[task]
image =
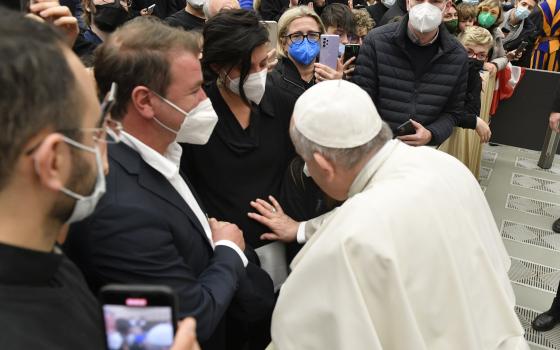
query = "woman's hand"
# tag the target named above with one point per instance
(483, 130)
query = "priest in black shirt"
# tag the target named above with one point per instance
(52, 152)
(49, 154)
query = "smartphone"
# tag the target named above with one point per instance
(522, 46)
(405, 128)
(138, 316)
(351, 50)
(151, 8)
(272, 28)
(328, 54)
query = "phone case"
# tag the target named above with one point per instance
(328, 55)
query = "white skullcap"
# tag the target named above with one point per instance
(336, 114)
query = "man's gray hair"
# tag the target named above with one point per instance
(343, 157)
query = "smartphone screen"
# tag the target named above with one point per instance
(136, 327)
(351, 50)
(137, 318)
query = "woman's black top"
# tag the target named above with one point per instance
(239, 165)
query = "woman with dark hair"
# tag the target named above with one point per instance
(249, 150)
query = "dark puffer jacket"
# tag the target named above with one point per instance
(434, 98)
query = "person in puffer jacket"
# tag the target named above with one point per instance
(414, 69)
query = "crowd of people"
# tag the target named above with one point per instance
(284, 201)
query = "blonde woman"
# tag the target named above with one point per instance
(464, 144)
(299, 31)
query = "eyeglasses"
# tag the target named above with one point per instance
(297, 38)
(481, 56)
(109, 130)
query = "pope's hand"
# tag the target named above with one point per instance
(283, 227)
(422, 136)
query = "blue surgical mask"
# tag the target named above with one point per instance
(471, 2)
(305, 52)
(521, 12)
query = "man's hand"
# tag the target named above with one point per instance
(490, 67)
(185, 339)
(483, 130)
(60, 16)
(222, 230)
(553, 121)
(283, 227)
(422, 136)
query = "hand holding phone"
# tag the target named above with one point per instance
(406, 128)
(148, 10)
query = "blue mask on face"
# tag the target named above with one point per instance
(522, 12)
(305, 52)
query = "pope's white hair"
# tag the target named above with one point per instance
(347, 158)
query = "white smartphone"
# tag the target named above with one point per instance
(328, 54)
(151, 8)
(272, 28)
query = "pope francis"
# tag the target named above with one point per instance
(412, 260)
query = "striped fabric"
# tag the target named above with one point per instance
(546, 47)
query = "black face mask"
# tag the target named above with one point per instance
(475, 64)
(108, 17)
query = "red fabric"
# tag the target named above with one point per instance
(506, 82)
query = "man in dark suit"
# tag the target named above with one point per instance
(150, 228)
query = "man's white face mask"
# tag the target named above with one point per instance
(198, 124)
(197, 4)
(425, 17)
(85, 205)
(388, 3)
(254, 86)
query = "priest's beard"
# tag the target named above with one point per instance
(82, 181)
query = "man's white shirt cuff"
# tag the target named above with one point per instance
(236, 248)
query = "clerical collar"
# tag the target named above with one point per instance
(415, 40)
(28, 267)
(378, 159)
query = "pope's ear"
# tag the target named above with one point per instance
(53, 162)
(325, 165)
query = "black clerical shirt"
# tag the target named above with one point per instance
(45, 303)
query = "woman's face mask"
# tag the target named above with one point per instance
(488, 16)
(305, 52)
(109, 16)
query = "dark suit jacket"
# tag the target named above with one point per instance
(142, 231)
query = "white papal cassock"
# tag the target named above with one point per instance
(412, 260)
